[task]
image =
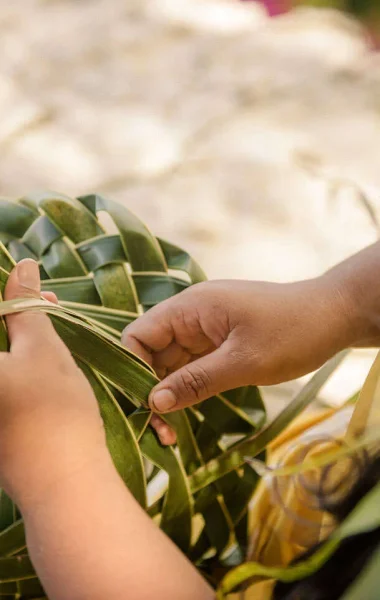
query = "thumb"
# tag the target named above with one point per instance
(28, 331)
(212, 374)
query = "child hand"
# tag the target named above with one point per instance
(50, 424)
(87, 536)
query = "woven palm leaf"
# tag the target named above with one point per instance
(105, 278)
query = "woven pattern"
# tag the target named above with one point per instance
(111, 269)
(124, 271)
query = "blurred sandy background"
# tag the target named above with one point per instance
(254, 143)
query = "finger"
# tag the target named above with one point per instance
(150, 332)
(168, 360)
(174, 321)
(50, 297)
(161, 373)
(137, 347)
(166, 434)
(28, 331)
(212, 374)
(170, 356)
(186, 358)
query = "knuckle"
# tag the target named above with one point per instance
(179, 314)
(195, 381)
(186, 318)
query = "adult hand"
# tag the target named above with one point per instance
(219, 335)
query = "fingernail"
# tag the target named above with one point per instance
(29, 274)
(163, 400)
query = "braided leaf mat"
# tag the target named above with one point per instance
(107, 268)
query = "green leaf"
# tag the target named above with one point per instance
(234, 412)
(6, 261)
(8, 512)
(177, 509)
(178, 259)
(116, 288)
(112, 360)
(12, 539)
(61, 260)
(251, 446)
(115, 319)
(141, 247)
(68, 215)
(16, 568)
(15, 219)
(121, 441)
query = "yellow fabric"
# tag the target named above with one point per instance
(284, 525)
(282, 528)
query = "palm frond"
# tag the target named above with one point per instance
(103, 282)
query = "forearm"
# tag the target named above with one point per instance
(89, 539)
(357, 279)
